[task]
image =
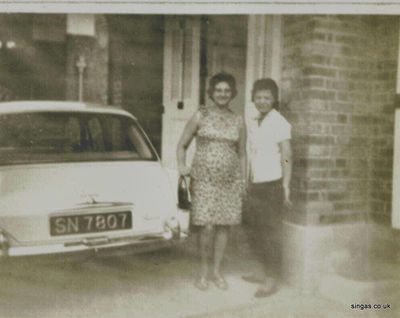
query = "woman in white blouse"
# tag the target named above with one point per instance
(270, 158)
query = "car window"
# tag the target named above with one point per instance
(59, 136)
(95, 133)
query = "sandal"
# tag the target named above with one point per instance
(252, 279)
(220, 282)
(201, 283)
(261, 292)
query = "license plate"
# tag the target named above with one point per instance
(90, 223)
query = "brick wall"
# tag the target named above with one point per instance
(384, 94)
(338, 93)
(297, 31)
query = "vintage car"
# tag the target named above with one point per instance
(76, 177)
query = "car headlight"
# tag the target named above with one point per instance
(4, 243)
(171, 228)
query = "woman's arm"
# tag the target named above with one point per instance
(286, 162)
(186, 138)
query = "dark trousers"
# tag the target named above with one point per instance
(264, 206)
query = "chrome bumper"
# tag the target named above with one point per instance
(101, 246)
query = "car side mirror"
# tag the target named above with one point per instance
(183, 194)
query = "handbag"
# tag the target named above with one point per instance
(183, 194)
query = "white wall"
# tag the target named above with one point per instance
(396, 174)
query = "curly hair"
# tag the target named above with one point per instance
(222, 77)
(266, 84)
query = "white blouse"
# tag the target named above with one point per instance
(264, 152)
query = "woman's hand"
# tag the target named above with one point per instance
(184, 170)
(286, 198)
(286, 162)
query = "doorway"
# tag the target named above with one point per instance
(224, 49)
(136, 54)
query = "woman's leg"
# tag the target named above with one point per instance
(256, 233)
(272, 227)
(205, 238)
(221, 239)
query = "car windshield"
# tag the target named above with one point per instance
(70, 137)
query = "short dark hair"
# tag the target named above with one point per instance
(266, 84)
(222, 77)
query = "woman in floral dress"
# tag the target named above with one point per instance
(217, 174)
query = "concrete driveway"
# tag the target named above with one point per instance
(157, 284)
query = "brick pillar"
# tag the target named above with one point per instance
(336, 88)
(95, 51)
(387, 43)
(298, 107)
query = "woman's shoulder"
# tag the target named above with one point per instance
(200, 112)
(280, 119)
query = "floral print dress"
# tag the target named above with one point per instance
(215, 176)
